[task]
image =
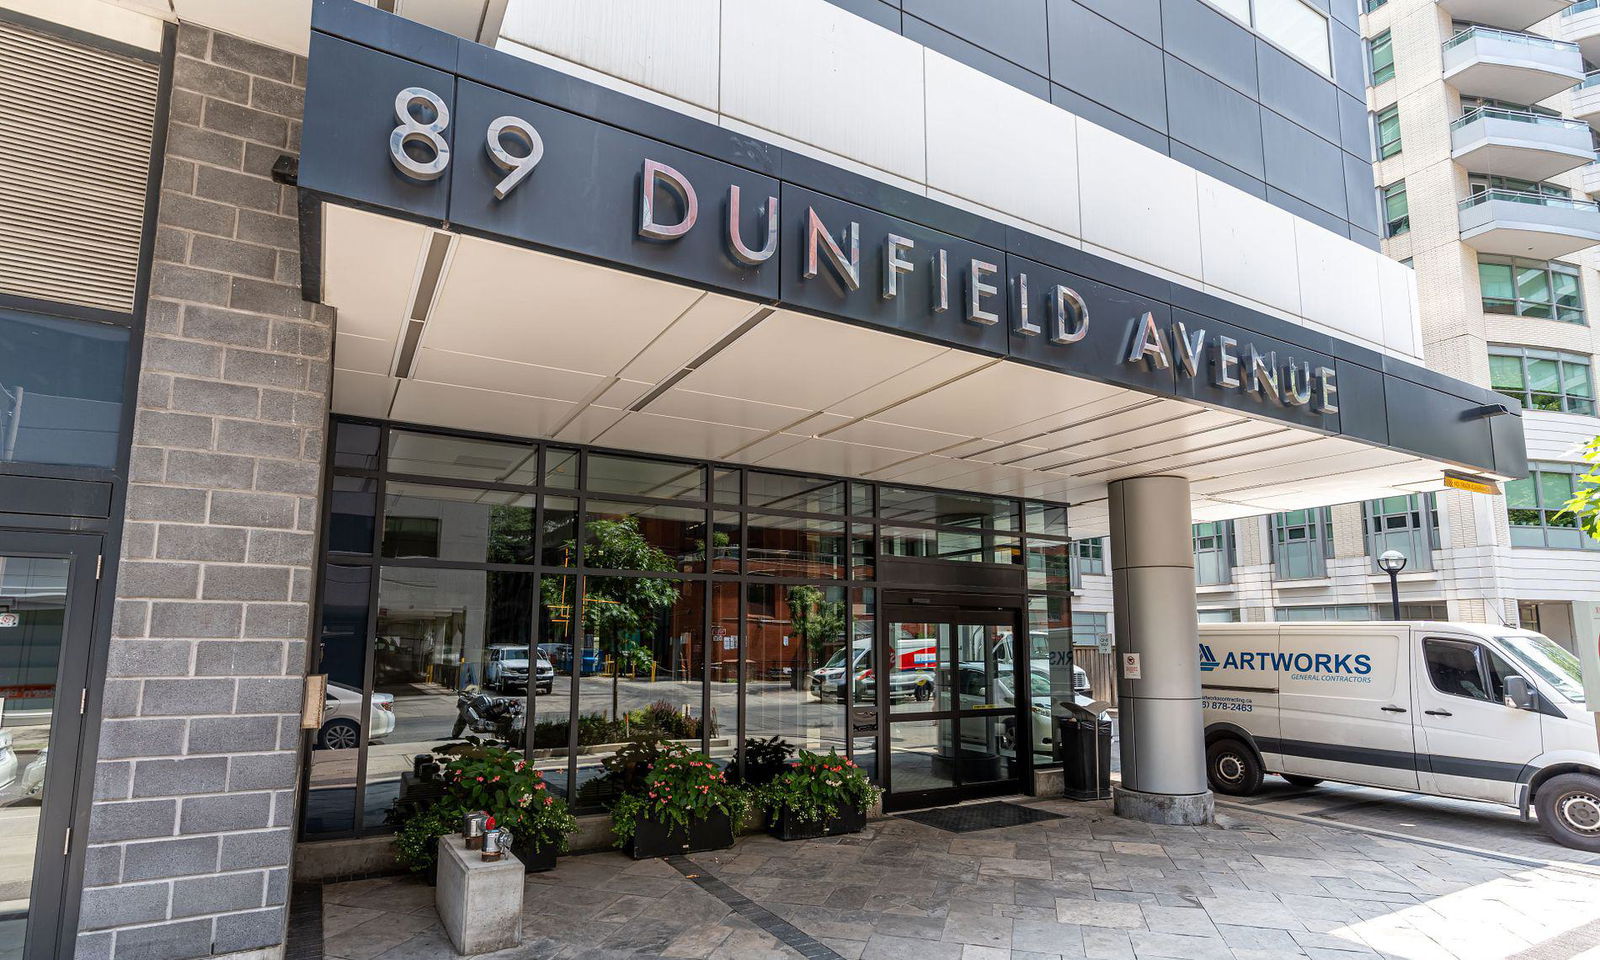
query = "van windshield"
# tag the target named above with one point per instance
(1553, 663)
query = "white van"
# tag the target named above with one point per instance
(1449, 709)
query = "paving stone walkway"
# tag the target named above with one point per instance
(1088, 886)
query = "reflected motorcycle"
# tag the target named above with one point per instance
(500, 717)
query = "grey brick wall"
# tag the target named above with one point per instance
(192, 826)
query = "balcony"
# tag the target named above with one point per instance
(1591, 179)
(1531, 225)
(1505, 14)
(1580, 24)
(1508, 66)
(1585, 101)
(1515, 143)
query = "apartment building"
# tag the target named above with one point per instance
(1482, 114)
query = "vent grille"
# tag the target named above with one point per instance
(72, 184)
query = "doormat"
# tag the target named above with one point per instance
(980, 816)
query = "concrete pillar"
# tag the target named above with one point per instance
(1152, 583)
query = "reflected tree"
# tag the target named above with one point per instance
(817, 621)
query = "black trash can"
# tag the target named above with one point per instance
(1085, 740)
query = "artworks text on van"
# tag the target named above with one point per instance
(1325, 667)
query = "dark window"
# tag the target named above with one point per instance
(1455, 669)
(410, 537)
(60, 390)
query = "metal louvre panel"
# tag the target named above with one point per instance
(80, 122)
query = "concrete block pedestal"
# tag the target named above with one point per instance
(480, 904)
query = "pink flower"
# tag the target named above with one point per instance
(548, 801)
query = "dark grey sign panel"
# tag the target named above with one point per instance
(583, 195)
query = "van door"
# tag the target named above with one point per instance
(1474, 745)
(1344, 696)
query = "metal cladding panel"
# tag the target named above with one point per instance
(72, 197)
(1435, 424)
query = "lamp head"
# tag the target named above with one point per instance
(1391, 561)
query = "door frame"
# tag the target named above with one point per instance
(915, 606)
(63, 821)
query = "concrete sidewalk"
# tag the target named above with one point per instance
(1086, 885)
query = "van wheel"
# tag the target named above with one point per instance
(1569, 810)
(1296, 780)
(1233, 768)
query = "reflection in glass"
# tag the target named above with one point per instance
(962, 545)
(33, 590)
(450, 659)
(1052, 670)
(637, 536)
(863, 630)
(947, 508)
(1049, 565)
(356, 445)
(422, 521)
(638, 477)
(917, 657)
(342, 655)
(725, 486)
(799, 547)
(550, 713)
(61, 384)
(650, 635)
(725, 543)
(461, 458)
(920, 755)
(724, 652)
(1046, 518)
(561, 468)
(558, 545)
(352, 503)
(777, 491)
(799, 665)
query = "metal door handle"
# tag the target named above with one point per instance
(1393, 709)
(1438, 713)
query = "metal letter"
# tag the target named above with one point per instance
(1069, 315)
(516, 168)
(895, 263)
(977, 290)
(1296, 384)
(742, 251)
(1147, 343)
(1264, 376)
(414, 131)
(678, 184)
(1024, 326)
(1224, 362)
(1327, 391)
(848, 268)
(1187, 349)
(941, 282)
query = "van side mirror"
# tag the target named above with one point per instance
(1520, 694)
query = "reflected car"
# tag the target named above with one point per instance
(8, 760)
(560, 655)
(506, 669)
(341, 718)
(33, 774)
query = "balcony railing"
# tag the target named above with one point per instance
(1520, 196)
(1591, 79)
(1508, 36)
(1517, 116)
(1580, 7)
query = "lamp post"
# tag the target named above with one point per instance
(1392, 562)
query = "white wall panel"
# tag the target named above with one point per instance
(666, 45)
(812, 71)
(1556, 436)
(1137, 202)
(972, 119)
(1397, 293)
(1248, 246)
(1339, 283)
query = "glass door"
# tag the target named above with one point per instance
(46, 610)
(955, 704)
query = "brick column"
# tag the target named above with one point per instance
(193, 822)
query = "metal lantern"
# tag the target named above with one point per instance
(472, 827)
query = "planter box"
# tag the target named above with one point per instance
(534, 861)
(652, 839)
(785, 827)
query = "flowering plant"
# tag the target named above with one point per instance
(510, 790)
(679, 787)
(817, 787)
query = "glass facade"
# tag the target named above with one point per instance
(1302, 542)
(1549, 290)
(61, 390)
(571, 603)
(1543, 379)
(1535, 508)
(1409, 524)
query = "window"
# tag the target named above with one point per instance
(1302, 541)
(1220, 615)
(1406, 524)
(1396, 213)
(1531, 288)
(1380, 53)
(1467, 670)
(1534, 505)
(1543, 379)
(1387, 124)
(1484, 182)
(1088, 556)
(61, 384)
(1472, 104)
(1323, 611)
(1291, 24)
(1375, 4)
(411, 537)
(1088, 628)
(1213, 552)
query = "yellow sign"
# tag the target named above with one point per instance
(1471, 484)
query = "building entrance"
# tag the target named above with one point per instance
(954, 696)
